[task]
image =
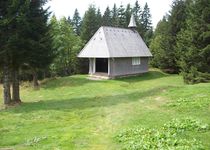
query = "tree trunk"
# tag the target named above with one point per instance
(6, 85)
(35, 80)
(15, 86)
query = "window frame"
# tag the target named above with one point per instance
(136, 61)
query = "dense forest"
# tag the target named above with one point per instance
(181, 42)
(35, 44)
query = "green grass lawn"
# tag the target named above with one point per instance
(77, 113)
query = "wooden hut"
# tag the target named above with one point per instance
(114, 51)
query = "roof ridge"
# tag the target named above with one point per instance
(117, 27)
(89, 41)
(109, 54)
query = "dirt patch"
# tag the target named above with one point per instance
(160, 100)
(157, 103)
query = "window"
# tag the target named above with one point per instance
(136, 61)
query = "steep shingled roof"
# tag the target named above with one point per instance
(111, 42)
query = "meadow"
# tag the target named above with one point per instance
(151, 111)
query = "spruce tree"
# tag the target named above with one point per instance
(146, 24)
(89, 24)
(40, 54)
(194, 43)
(121, 17)
(146, 18)
(106, 19)
(165, 38)
(76, 22)
(13, 47)
(99, 18)
(161, 47)
(115, 19)
(177, 17)
(137, 12)
(26, 42)
(4, 53)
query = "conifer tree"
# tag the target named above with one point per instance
(146, 18)
(146, 24)
(25, 39)
(89, 24)
(121, 16)
(106, 19)
(13, 47)
(99, 18)
(4, 52)
(194, 43)
(115, 20)
(165, 38)
(161, 48)
(40, 53)
(76, 22)
(177, 17)
(137, 12)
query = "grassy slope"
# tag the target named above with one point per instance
(76, 113)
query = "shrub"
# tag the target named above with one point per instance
(194, 76)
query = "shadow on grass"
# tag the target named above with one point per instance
(86, 103)
(151, 75)
(71, 81)
(79, 80)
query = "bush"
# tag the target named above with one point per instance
(194, 76)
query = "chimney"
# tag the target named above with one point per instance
(132, 23)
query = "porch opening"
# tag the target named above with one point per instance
(102, 65)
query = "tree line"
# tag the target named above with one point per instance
(181, 42)
(115, 17)
(35, 45)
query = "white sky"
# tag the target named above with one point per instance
(60, 8)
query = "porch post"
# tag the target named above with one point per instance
(109, 70)
(90, 66)
(94, 65)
